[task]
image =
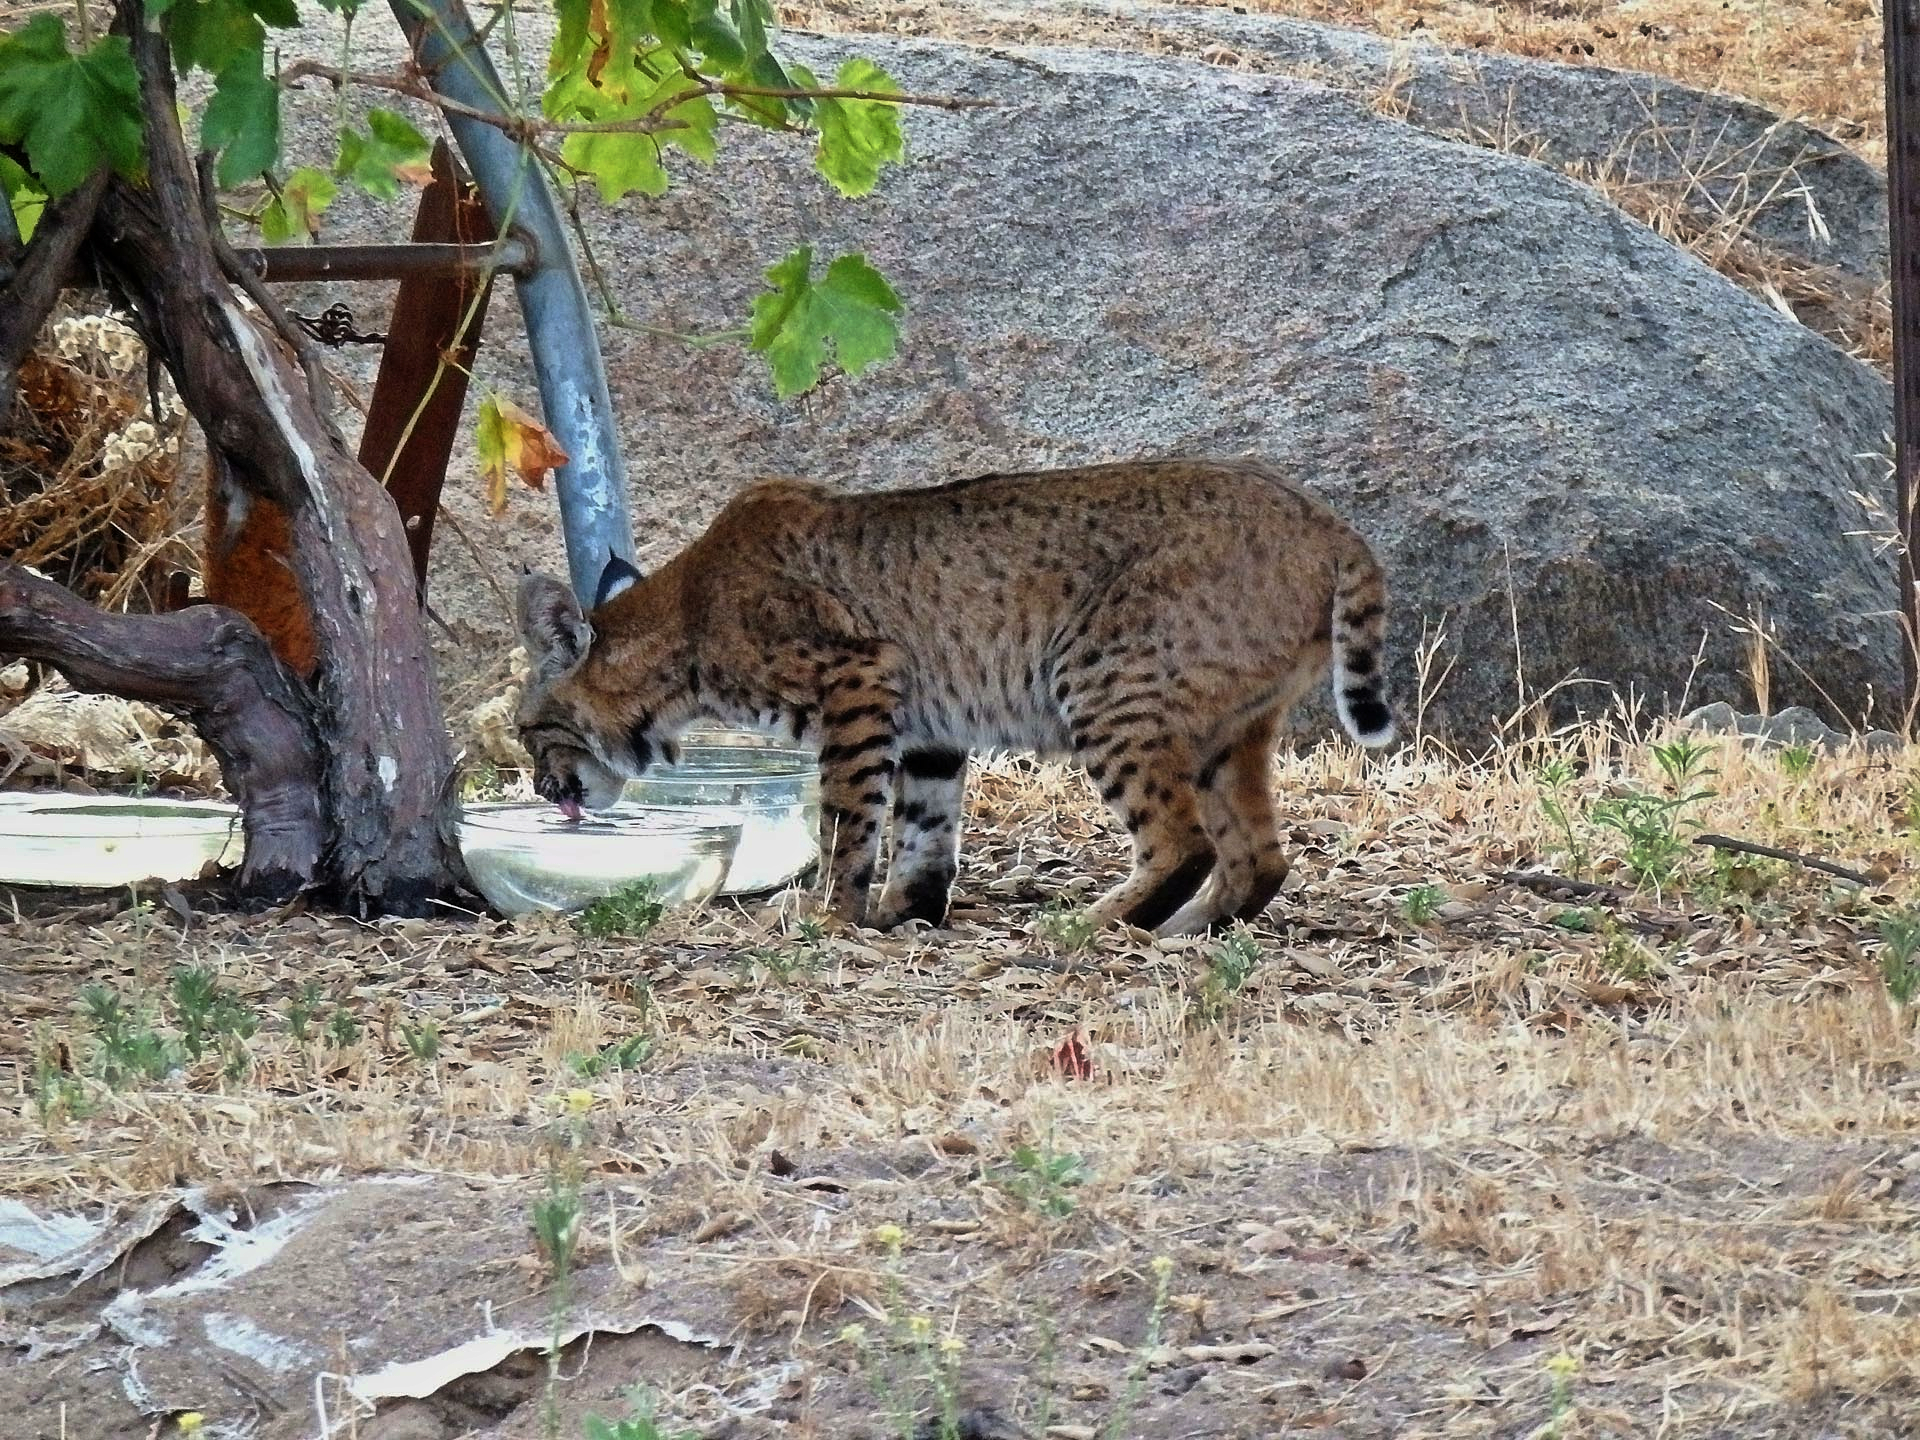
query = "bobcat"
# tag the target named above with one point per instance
(1152, 619)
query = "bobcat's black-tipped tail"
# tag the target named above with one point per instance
(1359, 645)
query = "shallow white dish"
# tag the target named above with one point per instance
(526, 857)
(771, 788)
(106, 841)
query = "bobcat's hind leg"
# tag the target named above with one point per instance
(1145, 780)
(924, 851)
(1236, 805)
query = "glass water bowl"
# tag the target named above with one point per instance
(771, 788)
(105, 841)
(526, 857)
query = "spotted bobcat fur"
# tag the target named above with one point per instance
(1154, 620)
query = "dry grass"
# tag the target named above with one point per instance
(1815, 60)
(1668, 1132)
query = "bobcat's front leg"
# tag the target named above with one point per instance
(859, 717)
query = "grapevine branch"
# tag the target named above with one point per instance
(655, 121)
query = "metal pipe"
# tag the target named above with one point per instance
(591, 488)
(279, 264)
(1903, 253)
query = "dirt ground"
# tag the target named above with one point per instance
(1428, 1152)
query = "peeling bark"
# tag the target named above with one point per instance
(210, 667)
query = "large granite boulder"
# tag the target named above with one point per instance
(1583, 454)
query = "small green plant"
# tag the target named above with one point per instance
(911, 1361)
(207, 1011)
(342, 1029)
(1553, 778)
(1900, 955)
(1653, 826)
(55, 1092)
(640, 1423)
(1561, 1368)
(556, 1219)
(780, 963)
(1042, 1179)
(632, 910)
(422, 1040)
(1796, 761)
(1067, 927)
(128, 1047)
(1683, 762)
(812, 929)
(1583, 919)
(628, 1054)
(1118, 1424)
(1420, 904)
(1627, 957)
(301, 1008)
(1230, 965)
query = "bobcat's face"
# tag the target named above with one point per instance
(584, 747)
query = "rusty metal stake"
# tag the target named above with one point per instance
(427, 315)
(1903, 213)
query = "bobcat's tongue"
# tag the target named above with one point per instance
(571, 809)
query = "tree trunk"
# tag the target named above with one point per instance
(210, 667)
(386, 782)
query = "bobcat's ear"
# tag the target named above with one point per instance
(618, 576)
(552, 628)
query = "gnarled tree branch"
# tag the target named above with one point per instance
(212, 668)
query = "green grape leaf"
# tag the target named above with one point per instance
(619, 164)
(295, 211)
(715, 37)
(570, 43)
(212, 34)
(670, 21)
(851, 309)
(858, 137)
(242, 120)
(389, 150)
(622, 162)
(73, 113)
(281, 14)
(26, 198)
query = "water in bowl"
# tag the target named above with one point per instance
(772, 789)
(48, 838)
(526, 857)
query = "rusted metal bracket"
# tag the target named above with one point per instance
(414, 416)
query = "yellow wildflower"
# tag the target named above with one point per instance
(579, 1101)
(891, 1236)
(190, 1422)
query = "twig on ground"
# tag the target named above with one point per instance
(1774, 852)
